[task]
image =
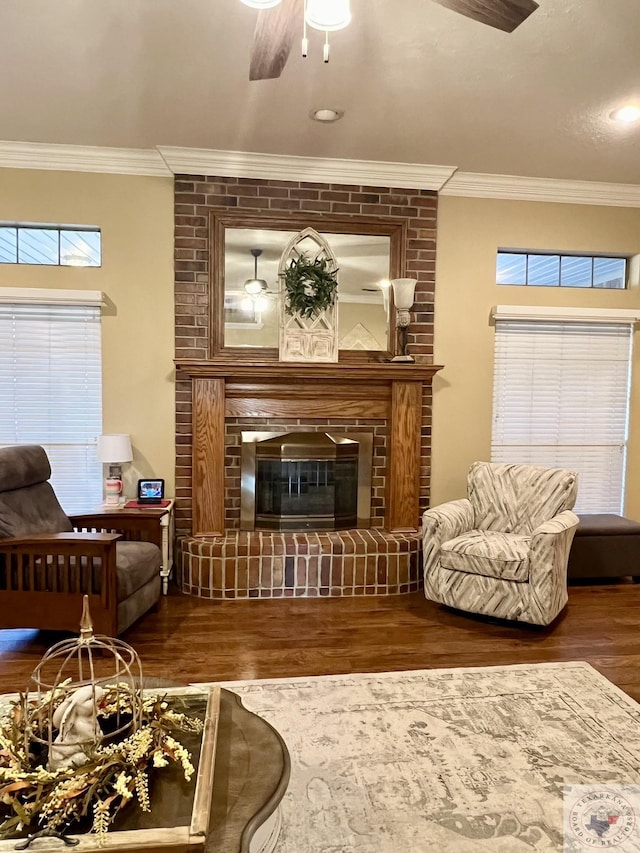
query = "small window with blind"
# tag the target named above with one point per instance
(51, 245)
(552, 269)
(561, 399)
(51, 385)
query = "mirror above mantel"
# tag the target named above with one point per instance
(245, 326)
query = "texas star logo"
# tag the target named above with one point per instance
(602, 819)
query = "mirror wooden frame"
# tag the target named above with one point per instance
(325, 223)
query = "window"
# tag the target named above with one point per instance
(544, 269)
(561, 398)
(51, 385)
(50, 244)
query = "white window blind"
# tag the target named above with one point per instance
(51, 391)
(561, 398)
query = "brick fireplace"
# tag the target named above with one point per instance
(221, 394)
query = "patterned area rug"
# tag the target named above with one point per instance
(460, 760)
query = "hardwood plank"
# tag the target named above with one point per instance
(192, 639)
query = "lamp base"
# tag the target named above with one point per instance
(112, 491)
(403, 359)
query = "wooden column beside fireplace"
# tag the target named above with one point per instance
(361, 391)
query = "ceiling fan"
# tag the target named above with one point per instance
(278, 26)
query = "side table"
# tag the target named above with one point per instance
(139, 524)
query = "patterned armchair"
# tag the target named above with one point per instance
(503, 551)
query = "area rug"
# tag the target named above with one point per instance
(460, 760)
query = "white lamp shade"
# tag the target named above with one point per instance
(403, 292)
(328, 15)
(114, 448)
(261, 4)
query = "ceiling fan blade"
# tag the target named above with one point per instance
(504, 15)
(275, 32)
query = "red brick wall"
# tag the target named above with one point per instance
(197, 196)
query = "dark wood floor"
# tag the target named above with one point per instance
(194, 640)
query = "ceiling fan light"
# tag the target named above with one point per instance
(254, 286)
(328, 15)
(261, 4)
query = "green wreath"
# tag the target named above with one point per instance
(310, 286)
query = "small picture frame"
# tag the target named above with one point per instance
(150, 491)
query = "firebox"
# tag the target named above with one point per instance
(305, 481)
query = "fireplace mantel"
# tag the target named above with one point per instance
(357, 371)
(224, 389)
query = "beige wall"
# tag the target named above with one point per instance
(135, 215)
(469, 233)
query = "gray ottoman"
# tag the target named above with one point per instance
(605, 546)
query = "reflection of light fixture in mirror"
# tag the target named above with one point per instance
(403, 296)
(255, 285)
(256, 288)
(385, 286)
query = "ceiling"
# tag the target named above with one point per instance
(424, 85)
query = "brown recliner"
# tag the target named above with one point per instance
(46, 567)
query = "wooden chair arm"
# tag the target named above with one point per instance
(74, 544)
(92, 519)
(134, 526)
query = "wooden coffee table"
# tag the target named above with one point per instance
(252, 770)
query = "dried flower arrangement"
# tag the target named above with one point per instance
(116, 772)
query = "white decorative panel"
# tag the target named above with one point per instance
(313, 339)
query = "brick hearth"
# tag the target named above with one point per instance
(277, 565)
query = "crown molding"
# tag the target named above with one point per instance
(477, 185)
(82, 158)
(246, 164)
(166, 161)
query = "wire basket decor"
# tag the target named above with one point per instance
(84, 692)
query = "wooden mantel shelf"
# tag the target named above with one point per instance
(290, 391)
(394, 372)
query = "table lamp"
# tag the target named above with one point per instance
(112, 451)
(403, 296)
